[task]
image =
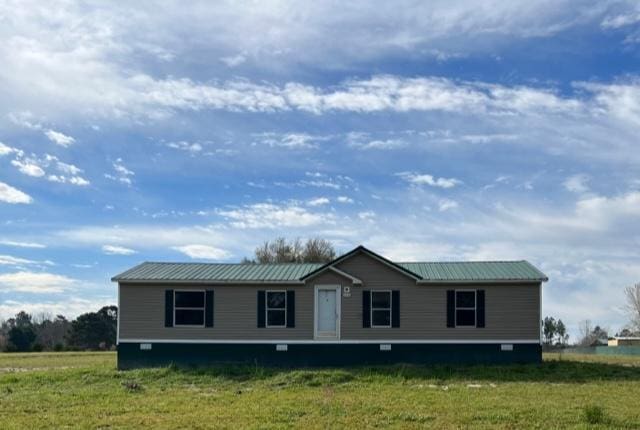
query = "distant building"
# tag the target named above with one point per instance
(624, 341)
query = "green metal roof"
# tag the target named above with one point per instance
(476, 271)
(468, 271)
(213, 272)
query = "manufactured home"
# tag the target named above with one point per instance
(360, 308)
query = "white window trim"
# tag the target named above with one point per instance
(390, 308)
(203, 308)
(266, 308)
(475, 308)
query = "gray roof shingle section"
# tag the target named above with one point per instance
(292, 272)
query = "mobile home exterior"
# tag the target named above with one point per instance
(358, 309)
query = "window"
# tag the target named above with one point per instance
(188, 308)
(276, 308)
(380, 308)
(466, 308)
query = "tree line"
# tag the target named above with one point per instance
(89, 331)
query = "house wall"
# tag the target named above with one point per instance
(235, 313)
(512, 311)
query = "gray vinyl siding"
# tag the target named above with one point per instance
(511, 311)
(235, 307)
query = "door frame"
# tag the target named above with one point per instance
(337, 289)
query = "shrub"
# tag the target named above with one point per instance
(594, 414)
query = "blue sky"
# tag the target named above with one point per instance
(443, 131)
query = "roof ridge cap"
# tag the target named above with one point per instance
(461, 262)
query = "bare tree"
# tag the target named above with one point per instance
(633, 305)
(51, 333)
(280, 250)
(318, 250)
(585, 330)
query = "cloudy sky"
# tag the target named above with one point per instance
(453, 131)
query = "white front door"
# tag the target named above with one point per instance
(327, 312)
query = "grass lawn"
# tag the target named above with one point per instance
(61, 390)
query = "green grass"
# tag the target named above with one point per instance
(83, 390)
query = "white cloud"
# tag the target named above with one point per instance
(234, 60)
(74, 180)
(204, 252)
(122, 174)
(28, 167)
(446, 204)
(35, 282)
(577, 183)
(290, 140)
(117, 250)
(621, 20)
(362, 140)
(69, 169)
(344, 199)
(271, 215)
(119, 167)
(9, 260)
(8, 194)
(78, 180)
(488, 138)
(366, 215)
(59, 138)
(319, 201)
(319, 180)
(24, 119)
(147, 236)
(425, 179)
(5, 150)
(22, 244)
(620, 100)
(193, 148)
(35, 167)
(64, 60)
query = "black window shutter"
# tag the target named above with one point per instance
(451, 308)
(480, 308)
(168, 308)
(395, 308)
(291, 308)
(366, 308)
(261, 308)
(208, 309)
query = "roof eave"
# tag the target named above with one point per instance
(481, 281)
(206, 282)
(354, 280)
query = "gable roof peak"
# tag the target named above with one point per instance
(363, 249)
